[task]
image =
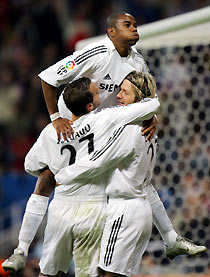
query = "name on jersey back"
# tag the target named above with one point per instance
(77, 134)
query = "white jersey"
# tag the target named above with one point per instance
(90, 132)
(127, 154)
(129, 179)
(127, 159)
(101, 63)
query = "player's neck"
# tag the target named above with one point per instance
(75, 117)
(89, 109)
(122, 50)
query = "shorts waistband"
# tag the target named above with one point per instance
(81, 199)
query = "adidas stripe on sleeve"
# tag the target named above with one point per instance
(81, 63)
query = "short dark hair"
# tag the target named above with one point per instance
(77, 95)
(113, 18)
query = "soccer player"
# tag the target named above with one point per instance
(104, 62)
(76, 214)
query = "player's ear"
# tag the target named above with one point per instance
(111, 32)
(89, 107)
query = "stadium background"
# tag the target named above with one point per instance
(34, 35)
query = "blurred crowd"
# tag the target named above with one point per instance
(36, 34)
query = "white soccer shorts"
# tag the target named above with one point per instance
(74, 228)
(126, 235)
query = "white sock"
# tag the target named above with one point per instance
(169, 238)
(35, 210)
(163, 224)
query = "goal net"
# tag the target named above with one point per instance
(177, 51)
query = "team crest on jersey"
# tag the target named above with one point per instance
(63, 69)
(70, 65)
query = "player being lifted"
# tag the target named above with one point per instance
(104, 62)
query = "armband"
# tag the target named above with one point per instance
(54, 116)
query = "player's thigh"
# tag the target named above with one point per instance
(90, 220)
(127, 226)
(58, 240)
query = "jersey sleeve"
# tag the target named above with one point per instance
(80, 63)
(35, 159)
(103, 160)
(133, 113)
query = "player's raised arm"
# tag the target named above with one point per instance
(138, 112)
(63, 72)
(62, 125)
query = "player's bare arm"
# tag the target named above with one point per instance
(62, 125)
(45, 184)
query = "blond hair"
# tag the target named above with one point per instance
(143, 84)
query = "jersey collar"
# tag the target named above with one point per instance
(79, 121)
(110, 44)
